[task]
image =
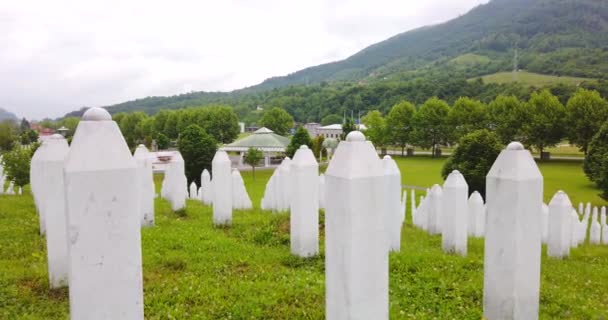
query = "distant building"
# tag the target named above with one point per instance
(335, 130)
(312, 128)
(241, 127)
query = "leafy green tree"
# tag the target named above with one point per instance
(253, 157)
(130, 127)
(347, 128)
(331, 119)
(147, 128)
(473, 157)
(24, 126)
(16, 165)
(300, 138)
(399, 124)
(507, 116)
(70, 123)
(197, 149)
(160, 119)
(162, 141)
(221, 122)
(377, 130)
(277, 120)
(467, 115)
(8, 135)
(596, 160)
(117, 117)
(545, 120)
(170, 129)
(586, 112)
(317, 146)
(29, 136)
(431, 125)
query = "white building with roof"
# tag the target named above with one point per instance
(335, 130)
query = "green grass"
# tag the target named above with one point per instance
(531, 79)
(194, 270)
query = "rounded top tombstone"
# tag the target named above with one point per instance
(96, 114)
(303, 147)
(515, 146)
(355, 136)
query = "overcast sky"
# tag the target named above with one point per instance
(57, 56)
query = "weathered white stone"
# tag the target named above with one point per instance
(584, 225)
(356, 258)
(477, 215)
(604, 226)
(514, 190)
(52, 206)
(322, 191)
(544, 223)
(434, 210)
(413, 207)
(101, 188)
(240, 198)
(581, 208)
(284, 184)
(454, 208)
(304, 220)
(20, 191)
(176, 183)
(10, 191)
(146, 180)
(206, 187)
(560, 226)
(394, 214)
(37, 184)
(596, 229)
(574, 222)
(193, 194)
(222, 189)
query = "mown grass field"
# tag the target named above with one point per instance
(193, 270)
(531, 79)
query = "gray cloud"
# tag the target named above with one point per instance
(56, 56)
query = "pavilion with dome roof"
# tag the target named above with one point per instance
(262, 139)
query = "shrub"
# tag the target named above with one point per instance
(162, 141)
(197, 149)
(16, 165)
(473, 157)
(300, 138)
(596, 161)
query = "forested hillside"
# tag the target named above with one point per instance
(6, 115)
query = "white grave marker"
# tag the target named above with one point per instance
(304, 219)
(222, 189)
(455, 203)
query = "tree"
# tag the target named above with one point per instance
(8, 136)
(596, 160)
(317, 146)
(467, 115)
(162, 141)
(29, 136)
(170, 129)
(473, 157)
(130, 127)
(300, 138)
(331, 119)
(253, 156)
(220, 122)
(347, 128)
(24, 126)
(16, 165)
(376, 131)
(399, 124)
(197, 149)
(431, 124)
(545, 120)
(586, 112)
(277, 120)
(506, 118)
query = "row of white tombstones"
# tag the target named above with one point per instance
(98, 184)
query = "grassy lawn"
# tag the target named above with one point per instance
(531, 79)
(193, 270)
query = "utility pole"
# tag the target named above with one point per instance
(515, 65)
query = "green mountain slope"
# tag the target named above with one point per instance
(561, 37)
(7, 115)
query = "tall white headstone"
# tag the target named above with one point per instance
(52, 206)
(392, 200)
(146, 180)
(560, 226)
(193, 194)
(222, 188)
(240, 198)
(284, 184)
(10, 191)
(206, 187)
(604, 226)
(37, 183)
(514, 190)
(102, 189)
(544, 215)
(476, 212)
(596, 229)
(434, 210)
(574, 222)
(454, 208)
(322, 191)
(356, 258)
(304, 219)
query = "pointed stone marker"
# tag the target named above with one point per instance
(146, 180)
(574, 227)
(104, 222)
(52, 206)
(322, 191)
(37, 183)
(544, 215)
(206, 187)
(356, 258)
(514, 190)
(560, 226)
(454, 208)
(434, 210)
(392, 201)
(476, 211)
(304, 219)
(222, 188)
(596, 229)
(193, 194)
(284, 184)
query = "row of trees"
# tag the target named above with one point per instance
(540, 122)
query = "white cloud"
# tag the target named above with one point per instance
(56, 56)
